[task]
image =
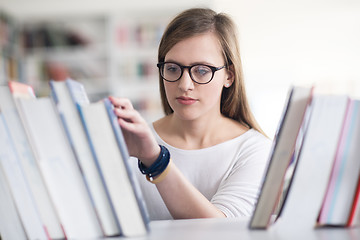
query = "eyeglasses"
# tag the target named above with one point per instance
(199, 73)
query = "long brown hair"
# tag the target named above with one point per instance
(194, 21)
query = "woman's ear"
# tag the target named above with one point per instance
(230, 76)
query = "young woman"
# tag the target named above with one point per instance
(207, 156)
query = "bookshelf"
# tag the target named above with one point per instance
(110, 54)
(133, 58)
(10, 52)
(61, 47)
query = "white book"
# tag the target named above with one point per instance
(59, 168)
(28, 162)
(304, 200)
(10, 223)
(345, 173)
(18, 185)
(112, 157)
(281, 155)
(66, 95)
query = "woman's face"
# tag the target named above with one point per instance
(188, 99)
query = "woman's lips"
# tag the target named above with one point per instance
(186, 100)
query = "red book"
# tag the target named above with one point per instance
(19, 89)
(354, 217)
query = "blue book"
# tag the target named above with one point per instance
(67, 94)
(111, 154)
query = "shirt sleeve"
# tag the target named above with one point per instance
(239, 190)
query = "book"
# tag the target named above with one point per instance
(316, 157)
(354, 218)
(28, 162)
(66, 95)
(281, 155)
(59, 168)
(19, 89)
(111, 154)
(345, 173)
(10, 223)
(23, 199)
(289, 174)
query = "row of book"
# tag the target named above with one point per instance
(10, 62)
(141, 34)
(64, 170)
(91, 71)
(313, 174)
(51, 36)
(72, 32)
(138, 69)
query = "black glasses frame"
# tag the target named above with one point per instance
(160, 65)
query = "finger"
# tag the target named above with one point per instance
(128, 115)
(123, 103)
(127, 126)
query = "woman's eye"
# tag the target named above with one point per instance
(172, 68)
(202, 70)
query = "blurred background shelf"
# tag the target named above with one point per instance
(112, 47)
(111, 50)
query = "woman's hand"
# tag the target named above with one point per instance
(181, 198)
(138, 136)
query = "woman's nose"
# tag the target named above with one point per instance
(185, 82)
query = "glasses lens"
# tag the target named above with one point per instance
(201, 73)
(171, 71)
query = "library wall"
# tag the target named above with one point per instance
(286, 43)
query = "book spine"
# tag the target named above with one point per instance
(125, 155)
(70, 93)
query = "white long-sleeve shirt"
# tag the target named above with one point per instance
(228, 174)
